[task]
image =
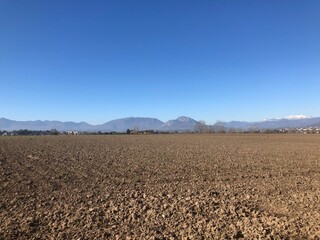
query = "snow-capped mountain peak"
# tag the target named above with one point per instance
(183, 119)
(291, 117)
(294, 117)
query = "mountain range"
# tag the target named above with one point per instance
(118, 125)
(143, 123)
(275, 123)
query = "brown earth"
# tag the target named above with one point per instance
(160, 187)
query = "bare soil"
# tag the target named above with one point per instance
(160, 187)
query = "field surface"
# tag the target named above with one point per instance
(160, 187)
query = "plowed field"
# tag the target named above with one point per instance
(160, 187)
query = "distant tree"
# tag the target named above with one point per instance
(219, 127)
(201, 127)
(54, 132)
(128, 131)
(23, 132)
(136, 128)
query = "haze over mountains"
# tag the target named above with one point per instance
(143, 123)
(288, 122)
(119, 125)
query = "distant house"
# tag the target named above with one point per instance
(73, 133)
(5, 134)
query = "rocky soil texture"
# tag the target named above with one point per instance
(160, 187)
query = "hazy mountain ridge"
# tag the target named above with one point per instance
(276, 123)
(181, 123)
(137, 123)
(143, 123)
(10, 125)
(119, 125)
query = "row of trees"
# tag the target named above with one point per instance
(219, 127)
(26, 132)
(202, 127)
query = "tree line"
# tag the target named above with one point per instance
(202, 127)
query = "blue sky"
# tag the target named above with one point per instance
(213, 60)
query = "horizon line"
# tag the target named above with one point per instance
(208, 122)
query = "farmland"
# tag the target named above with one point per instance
(197, 186)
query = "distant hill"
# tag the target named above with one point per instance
(10, 125)
(181, 123)
(119, 125)
(143, 123)
(289, 122)
(138, 123)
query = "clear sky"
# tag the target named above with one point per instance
(95, 61)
